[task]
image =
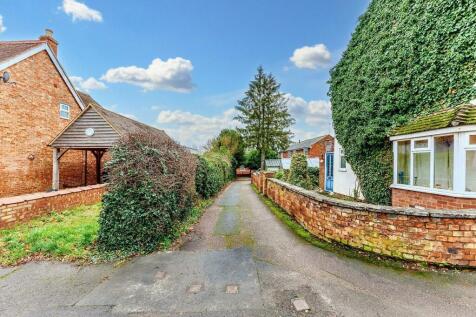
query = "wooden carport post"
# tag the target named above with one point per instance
(56, 157)
(98, 155)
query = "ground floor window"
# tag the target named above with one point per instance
(471, 171)
(443, 157)
(421, 169)
(403, 162)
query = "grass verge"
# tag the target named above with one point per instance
(67, 236)
(344, 250)
(70, 237)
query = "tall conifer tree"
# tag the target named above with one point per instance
(264, 114)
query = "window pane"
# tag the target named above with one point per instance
(471, 171)
(403, 162)
(421, 169)
(343, 162)
(472, 139)
(421, 144)
(444, 149)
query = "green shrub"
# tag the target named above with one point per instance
(279, 175)
(405, 58)
(214, 170)
(298, 173)
(149, 194)
(313, 173)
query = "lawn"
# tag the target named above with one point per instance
(70, 236)
(67, 236)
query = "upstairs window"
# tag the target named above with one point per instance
(343, 161)
(64, 111)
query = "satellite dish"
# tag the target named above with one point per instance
(5, 77)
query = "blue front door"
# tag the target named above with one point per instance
(329, 172)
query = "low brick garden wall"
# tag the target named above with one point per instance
(24, 207)
(434, 236)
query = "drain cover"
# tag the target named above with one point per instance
(300, 304)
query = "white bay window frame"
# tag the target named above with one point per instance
(461, 136)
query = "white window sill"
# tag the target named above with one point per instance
(434, 191)
(342, 170)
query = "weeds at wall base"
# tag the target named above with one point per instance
(339, 249)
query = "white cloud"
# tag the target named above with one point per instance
(174, 74)
(3, 28)
(80, 11)
(88, 84)
(313, 118)
(311, 57)
(194, 129)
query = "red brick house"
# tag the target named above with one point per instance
(435, 160)
(320, 153)
(37, 103)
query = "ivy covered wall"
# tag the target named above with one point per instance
(405, 58)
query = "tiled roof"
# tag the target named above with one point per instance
(456, 116)
(120, 123)
(304, 144)
(10, 49)
(273, 163)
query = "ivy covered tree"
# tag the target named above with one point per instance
(406, 58)
(230, 141)
(264, 113)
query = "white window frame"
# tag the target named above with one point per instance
(342, 155)
(461, 145)
(61, 110)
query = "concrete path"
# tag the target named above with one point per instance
(239, 261)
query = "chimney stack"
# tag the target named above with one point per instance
(52, 43)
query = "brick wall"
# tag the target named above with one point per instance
(408, 198)
(29, 120)
(24, 207)
(435, 236)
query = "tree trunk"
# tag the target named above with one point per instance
(262, 159)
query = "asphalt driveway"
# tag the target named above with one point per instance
(239, 261)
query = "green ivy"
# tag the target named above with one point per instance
(405, 58)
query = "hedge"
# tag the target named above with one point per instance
(150, 192)
(405, 58)
(214, 170)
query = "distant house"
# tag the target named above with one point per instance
(435, 160)
(345, 180)
(319, 152)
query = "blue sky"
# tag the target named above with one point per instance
(181, 65)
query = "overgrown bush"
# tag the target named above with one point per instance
(298, 173)
(313, 173)
(214, 170)
(279, 175)
(406, 57)
(152, 183)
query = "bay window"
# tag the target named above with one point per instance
(441, 164)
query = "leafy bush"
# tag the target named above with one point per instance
(406, 57)
(279, 175)
(298, 173)
(252, 158)
(150, 192)
(313, 173)
(214, 170)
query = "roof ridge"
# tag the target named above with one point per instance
(23, 41)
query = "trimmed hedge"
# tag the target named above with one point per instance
(150, 192)
(405, 58)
